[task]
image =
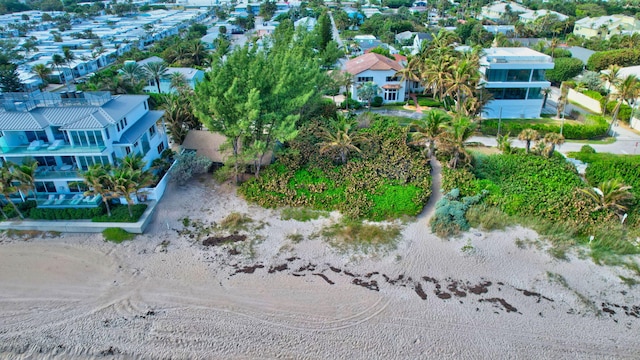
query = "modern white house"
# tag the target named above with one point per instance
(515, 78)
(69, 131)
(382, 71)
(191, 77)
(533, 15)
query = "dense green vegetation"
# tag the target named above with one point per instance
(621, 57)
(594, 127)
(548, 195)
(119, 213)
(387, 178)
(603, 167)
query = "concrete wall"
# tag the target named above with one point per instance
(585, 101)
(635, 123)
(82, 226)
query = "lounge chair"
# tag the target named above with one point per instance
(35, 145)
(56, 144)
(77, 199)
(50, 200)
(61, 199)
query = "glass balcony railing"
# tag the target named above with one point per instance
(51, 150)
(48, 173)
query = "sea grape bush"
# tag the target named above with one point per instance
(387, 180)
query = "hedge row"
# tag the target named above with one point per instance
(120, 213)
(595, 127)
(65, 213)
(621, 57)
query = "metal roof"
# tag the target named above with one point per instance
(20, 121)
(143, 124)
(95, 120)
(121, 105)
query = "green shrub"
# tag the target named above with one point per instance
(621, 57)
(353, 104)
(429, 102)
(354, 234)
(120, 213)
(593, 94)
(66, 213)
(449, 218)
(485, 217)
(624, 113)
(586, 149)
(377, 101)
(117, 235)
(595, 127)
(25, 208)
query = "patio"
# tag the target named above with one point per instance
(68, 200)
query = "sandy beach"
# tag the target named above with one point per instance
(166, 295)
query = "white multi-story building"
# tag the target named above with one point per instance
(382, 71)
(515, 78)
(68, 132)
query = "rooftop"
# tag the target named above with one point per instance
(371, 61)
(508, 55)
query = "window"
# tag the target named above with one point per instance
(45, 160)
(515, 93)
(496, 75)
(145, 105)
(127, 150)
(497, 94)
(77, 186)
(535, 93)
(125, 121)
(364, 78)
(538, 75)
(145, 144)
(45, 186)
(106, 132)
(35, 135)
(152, 131)
(118, 127)
(519, 75)
(393, 78)
(390, 94)
(160, 148)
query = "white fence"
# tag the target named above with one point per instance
(635, 123)
(585, 101)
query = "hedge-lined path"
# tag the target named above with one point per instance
(436, 191)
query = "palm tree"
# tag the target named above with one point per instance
(528, 135)
(461, 82)
(132, 72)
(156, 71)
(178, 82)
(197, 52)
(98, 178)
(7, 188)
(610, 195)
(552, 140)
(42, 71)
(504, 143)
(545, 92)
(340, 138)
(611, 77)
(69, 58)
(179, 118)
(434, 75)
(125, 183)
(345, 79)
(455, 138)
(429, 128)
(57, 61)
(628, 89)
(25, 173)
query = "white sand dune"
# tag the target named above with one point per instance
(76, 296)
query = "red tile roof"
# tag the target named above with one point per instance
(371, 61)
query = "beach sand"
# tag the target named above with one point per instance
(77, 296)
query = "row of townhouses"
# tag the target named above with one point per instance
(117, 35)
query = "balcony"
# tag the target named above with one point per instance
(77, 200)
(57, 172)
(50, 150)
